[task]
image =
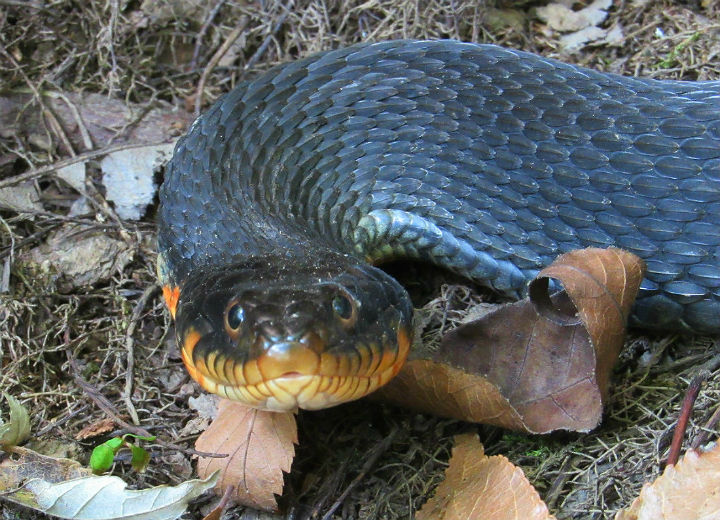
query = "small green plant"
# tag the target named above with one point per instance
(17, 429)
(672, 58)
(538, 453)
(102, 456)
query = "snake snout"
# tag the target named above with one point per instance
(305, 340)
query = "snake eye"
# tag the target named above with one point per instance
(235, 316)
(343, 306)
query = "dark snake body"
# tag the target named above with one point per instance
(487, 161)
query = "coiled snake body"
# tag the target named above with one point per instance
(487, 161)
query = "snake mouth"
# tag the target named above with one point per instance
(299, 378)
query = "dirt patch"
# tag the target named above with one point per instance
(159, 53)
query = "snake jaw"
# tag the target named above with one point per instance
(294, 376)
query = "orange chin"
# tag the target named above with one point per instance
(301, 378)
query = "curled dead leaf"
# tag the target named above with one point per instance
(260, 447)
(485, 488)
(537, 365)
(602, 285)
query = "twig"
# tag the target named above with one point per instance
(122, 132)
(226, 496)
(215, 59)
(266, 42)
(201, 33)
(5, 278)
(656, 354)
(97, 201)
(712, 364)
(129, 346)
(175, 447)
(328, 488)
(217, 511)
(191, 451)
(52, 120)
(369, 463)
(448, 296)
(45, 170)
(22, 3)
(685, 410)
(106, 406)
(557, 485)
(109, 41)
(702, 437)
(84, 132)
(103, 403)
(69, 414)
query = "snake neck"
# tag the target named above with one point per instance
(221, 207)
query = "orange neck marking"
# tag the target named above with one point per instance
(404, 339)
(186, 352)
(171, 295)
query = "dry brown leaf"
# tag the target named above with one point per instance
(96, 428)
(23, 464)
(78, 256)
(260, 447)
(90, 120)
(602, 284)
(22, 198)
(480, 487)
(689, 490)
(532, 365)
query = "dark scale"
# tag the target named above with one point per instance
(487, 161)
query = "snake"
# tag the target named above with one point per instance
(284, 198)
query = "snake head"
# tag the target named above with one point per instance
(279, 335)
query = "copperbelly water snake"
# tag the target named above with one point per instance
(487, 161)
